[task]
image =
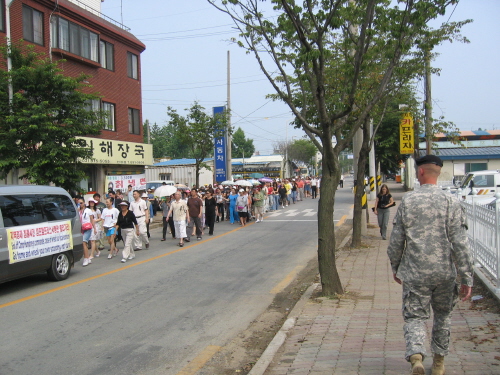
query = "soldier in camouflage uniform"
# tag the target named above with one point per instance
(427, 240)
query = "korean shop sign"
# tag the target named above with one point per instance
(406, 134)
(220, 152)
(106, 151)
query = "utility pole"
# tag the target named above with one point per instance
(373, 174)
(428, 103)
(229, 164)
(285, 175)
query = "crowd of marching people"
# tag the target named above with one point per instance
(123, 219)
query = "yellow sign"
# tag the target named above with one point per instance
(107, 151)
(406, 135)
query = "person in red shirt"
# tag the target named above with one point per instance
(300, 186)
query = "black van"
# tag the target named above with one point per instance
(40, 231)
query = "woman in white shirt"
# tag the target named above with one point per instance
(97, 233)
(242, 207)
(110, 216)
(88, 226)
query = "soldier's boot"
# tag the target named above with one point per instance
(417, 368)
(438, 365)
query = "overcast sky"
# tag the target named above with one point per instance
(186, 60)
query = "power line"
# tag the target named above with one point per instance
(203, 87)
(196, 83)
(453, 11)
(185, 31)
(187, 36)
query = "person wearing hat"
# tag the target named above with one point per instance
(428, 247)
(141, 212)
(242, 207)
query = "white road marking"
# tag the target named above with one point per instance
(309, 212)
(290, 220)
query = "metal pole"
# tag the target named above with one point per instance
(229, 164)
(285, 175)
(373, 176)
(8, 3)
(428, 103)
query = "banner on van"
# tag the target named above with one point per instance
(121, 182)
(38, 240)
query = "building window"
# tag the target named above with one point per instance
(132, 69)
(109, 121)
(2, 18)
(92, 105)
(106, 56)
(133, 121)
(165, 176)
(32, 25)
(473, 167)
(71, 37)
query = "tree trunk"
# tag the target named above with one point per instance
(330, 279)
(197, 171)
(360, 186)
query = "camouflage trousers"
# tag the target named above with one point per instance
(417, 301)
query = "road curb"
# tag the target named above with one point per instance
(266, 358)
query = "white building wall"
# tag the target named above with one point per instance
(180, 174)
(93, 6)
(447, 172)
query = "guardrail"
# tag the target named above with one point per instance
(483, 219)
(483, 216)
(102, 15)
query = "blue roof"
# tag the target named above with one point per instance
(179, 162)
(481, 132)
(470, 153)
(250, 162)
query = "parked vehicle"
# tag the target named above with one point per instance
(485, 182)
(153, 185)
(40, 231)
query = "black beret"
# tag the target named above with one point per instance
(429, 159)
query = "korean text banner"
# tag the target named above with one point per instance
(38, 240)
(121, 182)
(220, 152)
(106, 151)
(406, 134)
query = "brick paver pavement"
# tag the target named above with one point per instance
(362, 332)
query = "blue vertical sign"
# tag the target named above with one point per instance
(220, 151)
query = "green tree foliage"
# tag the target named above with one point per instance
(302, 151)
(39, 130)
(241, 146)
(165, 141)
(332, 62)
(197, 131)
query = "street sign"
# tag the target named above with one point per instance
(220, 151)
(406, 134)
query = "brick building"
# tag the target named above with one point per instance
(93, 44)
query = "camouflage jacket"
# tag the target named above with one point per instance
(429, 238)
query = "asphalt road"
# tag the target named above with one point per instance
(167, 311)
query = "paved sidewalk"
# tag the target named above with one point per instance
(362, 332)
